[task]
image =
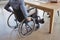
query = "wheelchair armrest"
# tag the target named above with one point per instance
(30, 9)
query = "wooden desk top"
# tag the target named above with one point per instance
(53, 6)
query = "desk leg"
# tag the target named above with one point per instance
(51, 21)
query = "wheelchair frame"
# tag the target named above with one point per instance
(20, 32)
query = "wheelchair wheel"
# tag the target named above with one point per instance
(26, 28)
(12, 22)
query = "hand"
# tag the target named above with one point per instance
(28, 18)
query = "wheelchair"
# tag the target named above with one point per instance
(25, 27)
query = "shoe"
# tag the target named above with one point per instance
(37, 27)
(49, 16)
(41, 21)
(15, 27)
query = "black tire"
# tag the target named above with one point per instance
(13, 27)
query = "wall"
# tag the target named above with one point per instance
(45, 0)
(2, 0)
(49, 0)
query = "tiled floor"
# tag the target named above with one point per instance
(42, 34)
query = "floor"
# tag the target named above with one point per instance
(7, 33)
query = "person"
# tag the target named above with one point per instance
(17, 6)
(19, 10)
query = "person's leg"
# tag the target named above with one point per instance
(37, 22)
(24, 10)
(37, 25)
(18, 15)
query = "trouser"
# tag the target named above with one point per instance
(19, 16)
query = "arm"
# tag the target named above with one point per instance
(7, 7)
(23, 8)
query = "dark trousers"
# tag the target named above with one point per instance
(19, 15)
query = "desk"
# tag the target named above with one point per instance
(48, 7)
